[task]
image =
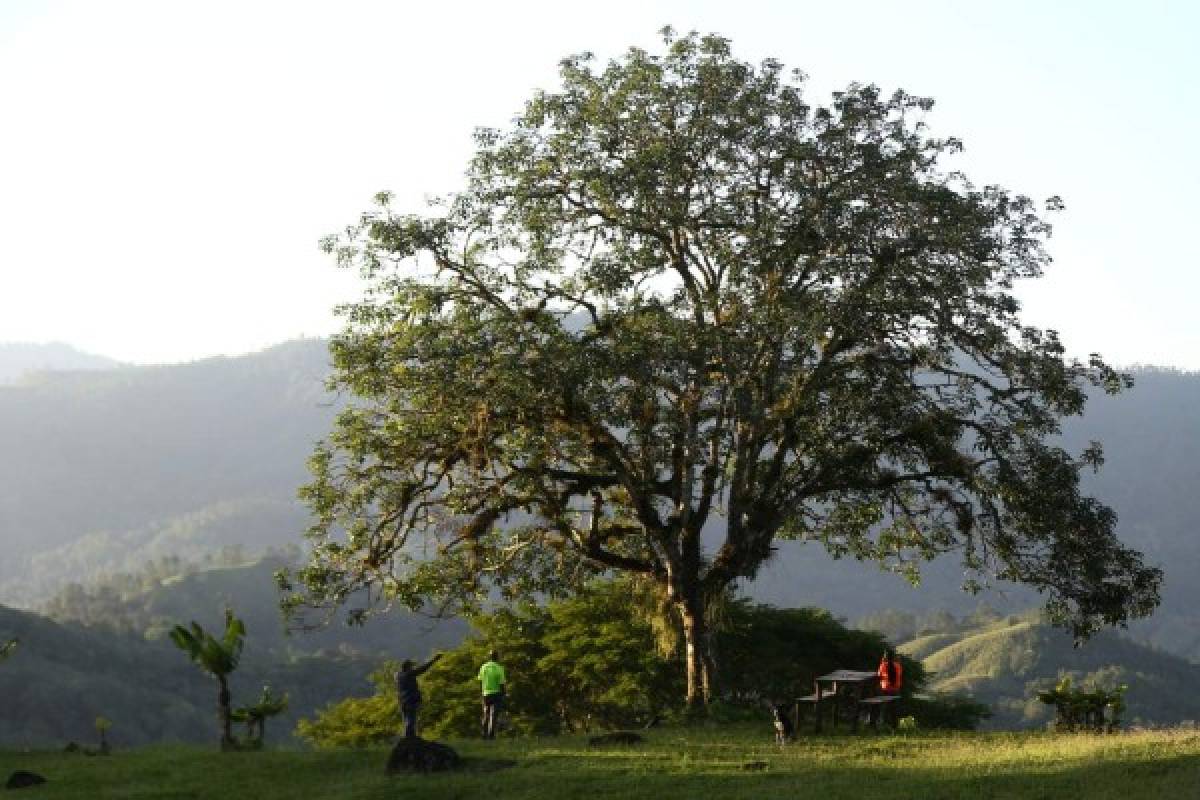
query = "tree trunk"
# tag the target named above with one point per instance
(698, 659)
(224, 715)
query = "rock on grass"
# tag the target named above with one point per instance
(23, 780)
(419, 755)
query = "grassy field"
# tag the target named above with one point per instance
(674, 763)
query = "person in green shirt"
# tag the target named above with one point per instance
(492, 680)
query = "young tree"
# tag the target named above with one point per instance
(678, 299)
(217, 657)
(255, 717)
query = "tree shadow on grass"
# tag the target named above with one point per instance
(483, 765)
(891, 771)
(1124, 777)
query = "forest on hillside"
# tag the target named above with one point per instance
(104, 471)
(593, 661)
(136, 498)
(102, 650)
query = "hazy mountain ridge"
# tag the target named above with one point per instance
(254, 524)
(22, 360)
(102, 471)
(203, 593)
(108, 454)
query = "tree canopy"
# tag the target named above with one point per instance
(680, 312)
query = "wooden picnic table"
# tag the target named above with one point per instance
(831, 686)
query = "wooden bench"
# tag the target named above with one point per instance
(878, 705)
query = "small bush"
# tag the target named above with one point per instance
(947, 711)
(1097, 709)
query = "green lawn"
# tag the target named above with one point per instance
(675, 763)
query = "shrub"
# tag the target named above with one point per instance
(357, 721)
(947, 711)
(596, 661)
(1097, 709)
(775, 654)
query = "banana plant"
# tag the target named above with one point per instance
(217, 657)
(255, 717)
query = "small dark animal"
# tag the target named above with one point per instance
(784, 730)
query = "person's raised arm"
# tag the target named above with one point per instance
(421, 669)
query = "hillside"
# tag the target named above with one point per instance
(64, 674)
(202, 594)
(1005, 662)
(62, 677)
(103, 471)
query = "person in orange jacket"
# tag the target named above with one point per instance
(891, 673)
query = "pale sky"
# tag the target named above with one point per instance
(166, 168)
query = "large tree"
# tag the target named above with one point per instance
(680, 313)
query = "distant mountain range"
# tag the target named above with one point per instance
(101, 471)
(1004, 663)
(20, 359)
(105, 469)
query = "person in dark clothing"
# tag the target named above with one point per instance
(408, 692)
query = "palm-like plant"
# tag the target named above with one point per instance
(255, 717)
(219, 658)
(7, 648)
